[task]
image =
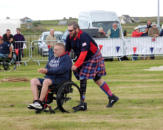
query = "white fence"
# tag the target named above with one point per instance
(129, 46)
(37, 51)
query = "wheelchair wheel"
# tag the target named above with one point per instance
(68, 96)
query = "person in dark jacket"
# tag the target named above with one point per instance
(161, 33)
(149, 24)
(18, 44)
(56, 71)
(145, 34)
(7, 36)
(89, 63)
(5, 49)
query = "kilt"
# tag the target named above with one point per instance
(92, 67)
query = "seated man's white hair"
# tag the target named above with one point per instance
(60, 44)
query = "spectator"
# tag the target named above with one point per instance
(101, 33)
(145, 33)
(161, 33)
(136, 32)
(153, 31)
(125, 33)
(5, 49)
(18, 45)
(7, 36)
(115, 31)
(149, 24)
(51, 40)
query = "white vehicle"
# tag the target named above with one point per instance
(94, 20)
(91, 21)
(42, 46)
(141, 28)
(97, 19)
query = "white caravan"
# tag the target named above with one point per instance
(97, 19)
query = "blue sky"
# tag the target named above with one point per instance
(57, 9)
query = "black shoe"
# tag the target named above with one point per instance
(113, 99)
(80, 107)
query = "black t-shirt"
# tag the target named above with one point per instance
(6, 39)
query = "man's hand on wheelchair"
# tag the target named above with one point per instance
(74, 68)
(10, 56)
(42, 70)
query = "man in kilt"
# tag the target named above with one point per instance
(89, 63)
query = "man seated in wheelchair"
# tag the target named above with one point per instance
(56, 71)
(5, 51)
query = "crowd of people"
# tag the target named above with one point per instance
(14, 44)
(150, 30)
(10, 43)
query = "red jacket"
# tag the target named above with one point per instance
(136, 34)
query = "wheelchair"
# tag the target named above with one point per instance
(6, 62)
(66, 94)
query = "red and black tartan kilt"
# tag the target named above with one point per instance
(91, 68)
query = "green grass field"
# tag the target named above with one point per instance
(140, 106)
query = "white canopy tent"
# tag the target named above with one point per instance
(11, 24)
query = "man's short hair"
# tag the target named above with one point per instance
(8, 30)
(18, 29)
(74, 24)
(52, 29)
(60, 44)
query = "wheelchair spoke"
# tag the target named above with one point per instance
(68, 97)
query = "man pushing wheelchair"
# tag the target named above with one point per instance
(89, 64)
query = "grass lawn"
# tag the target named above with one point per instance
(140, 106)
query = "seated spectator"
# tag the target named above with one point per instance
(18, 45)
(56, 71)
(101, 33)
(5, 49)
(136, 32)
(153, 31)
(7, 36)
(50, 42)
(161, 33)
(114, 31)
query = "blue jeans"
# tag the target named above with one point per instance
(51, 53)
(3, 55)
(135, 56)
